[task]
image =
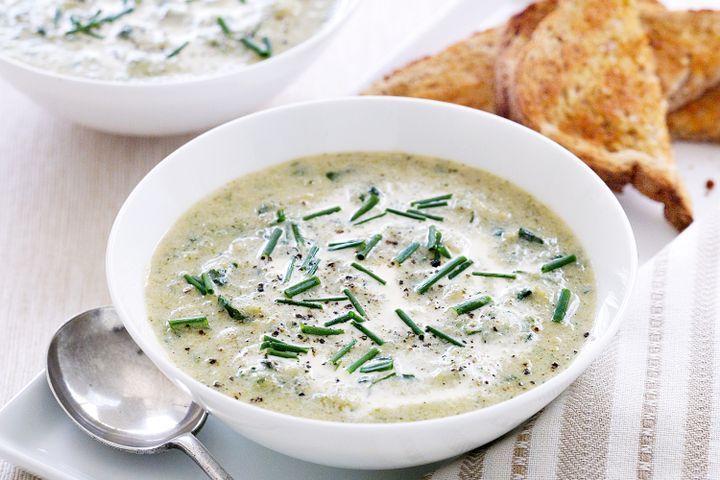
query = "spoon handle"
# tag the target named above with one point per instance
(189, 444)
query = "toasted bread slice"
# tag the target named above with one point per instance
(687, 51)
(582, 73)
(698, 120)
(686, 45)
(462, 74)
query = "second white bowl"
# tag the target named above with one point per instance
(172, 106)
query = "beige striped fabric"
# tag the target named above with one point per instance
(649, 407)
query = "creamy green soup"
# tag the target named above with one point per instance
(154, 39)
(371, 287)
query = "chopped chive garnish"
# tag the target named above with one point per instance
(360, 361)
(558, 262)
(196, 282)
(472, 304)
(327, 211)
(524, 293)
(357, 266)
(409, 322)
(414, 216)
(325, 299)
(443, 250)
(510, 276)
(377, 380)
(207, 283)
(353, 299)
(177, 51)
(343, 245)
(426, 215)
(463, 266)
(562, 306)
(370, 218)
(313, 267)
(315, 330)
(433, 279)
(309, 258)
(272, 241)
(199, 322)
(232, 311)
(380, 365)
(444, 336)
(280, 353)
(367, 205)
(301, 287)
(287, 301)
(439, 198)
(369, 245)
(224, 27)
(270, 342)
(280, 216)
(434, 237)
(263, 51)
(95, 22)
(344, 318)
(290, 269)
(432, 204)
(372, 336)
(526, 234)
(342, 352)
(297, 234)
(406, 253)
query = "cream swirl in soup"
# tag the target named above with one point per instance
(154, 39)
(371, 287)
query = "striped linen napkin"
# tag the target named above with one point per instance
(649, 407)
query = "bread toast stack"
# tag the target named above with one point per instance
(597, 76)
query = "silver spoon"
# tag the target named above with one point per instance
(112, 391)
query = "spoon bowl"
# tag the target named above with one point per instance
(111, 390)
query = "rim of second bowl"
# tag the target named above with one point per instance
(589, 352)
(342, 12)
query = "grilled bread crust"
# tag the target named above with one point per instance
(582, 73)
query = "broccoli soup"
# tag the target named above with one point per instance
(370, 287)
(133, 39)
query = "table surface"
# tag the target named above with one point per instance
(61, 186)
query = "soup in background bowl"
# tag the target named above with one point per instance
(399, 141)
(154, 39)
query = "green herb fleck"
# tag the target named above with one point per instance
(558, 263)
(369, 355)
(374, 276)
(177, 51)
(301, 287)
(327, 211)
(472, 304)
(234, 313)
(562, 306)
(197, 322)
(444, 336)
(322, 331)
(526, 234)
